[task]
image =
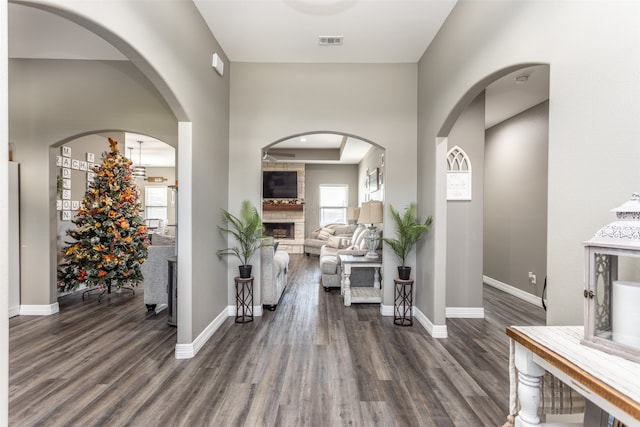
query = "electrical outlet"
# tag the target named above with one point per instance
(532, 278)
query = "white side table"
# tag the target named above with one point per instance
(359, 294)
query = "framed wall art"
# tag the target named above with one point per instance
(372, 180)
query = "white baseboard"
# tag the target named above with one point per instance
(188, 351)
(436, 331)
(39, 310)
(464, 312)
(231, 310)
(14, 311)
(386, 310)
(519, 293)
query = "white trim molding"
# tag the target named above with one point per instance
(39, 310)
(14, 311)
(436, 331)
(257, 310)
(188, 351)
(519, 293)
(386, 310)
(464, 312)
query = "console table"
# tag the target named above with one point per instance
(609, 381)
(359, 294)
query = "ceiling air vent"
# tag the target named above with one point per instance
(331, 40)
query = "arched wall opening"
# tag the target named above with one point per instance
(469, 253)
(116, 92)
(74, 161)
(321, 159)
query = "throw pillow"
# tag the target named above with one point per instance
(335, 242)
(358, 237)
(325, 233)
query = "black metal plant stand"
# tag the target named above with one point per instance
(244, 299)
(403, 302)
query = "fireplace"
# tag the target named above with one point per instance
(280, 230)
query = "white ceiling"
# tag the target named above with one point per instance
(151, 152)
(375, 31)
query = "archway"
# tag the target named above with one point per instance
(136, 83)
(75, 159)
(325, 161)
(466, 268)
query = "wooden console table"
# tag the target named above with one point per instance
(609, 381)
(360, 294)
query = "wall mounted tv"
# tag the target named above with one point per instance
(279, 184)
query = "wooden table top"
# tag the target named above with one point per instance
(614, 378)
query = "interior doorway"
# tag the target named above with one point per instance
(154, 169)
(319, 158)
(498, 235)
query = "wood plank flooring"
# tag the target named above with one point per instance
(312, 362)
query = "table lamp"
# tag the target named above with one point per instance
(371, 213)
(352, 215)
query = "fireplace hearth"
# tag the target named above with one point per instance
(280, 230)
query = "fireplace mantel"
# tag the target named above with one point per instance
(281, 207)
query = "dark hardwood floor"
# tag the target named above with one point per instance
(311, 362)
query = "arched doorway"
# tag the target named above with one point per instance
(486, 232)
(329, 165)
(75, 159)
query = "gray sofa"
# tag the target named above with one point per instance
(274, 266)
(155, 273)
(321, 236)
(330, 261)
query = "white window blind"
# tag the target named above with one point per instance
(333, 203)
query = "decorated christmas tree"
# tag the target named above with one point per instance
(110, 239)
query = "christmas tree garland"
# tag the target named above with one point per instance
(110, 239)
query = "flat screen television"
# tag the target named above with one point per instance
(279, 184)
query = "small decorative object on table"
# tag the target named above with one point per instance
(371, 213)
(612, 287)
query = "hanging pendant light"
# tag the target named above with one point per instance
(139, 171)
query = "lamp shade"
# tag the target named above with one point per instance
(371, 212)
(353, 214)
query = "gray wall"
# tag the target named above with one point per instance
(316, 174)
(515, 240)
(593, 134)
(464, 217)
(376, 102)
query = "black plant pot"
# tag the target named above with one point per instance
(245, 271)
(404, 272)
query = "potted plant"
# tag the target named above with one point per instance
(248, 232)
(409, 230)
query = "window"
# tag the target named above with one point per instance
(155, 202)
(333, 204)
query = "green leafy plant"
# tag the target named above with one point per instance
(246, 229)
(408, 231)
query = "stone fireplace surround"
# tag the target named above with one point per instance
(287, 213)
